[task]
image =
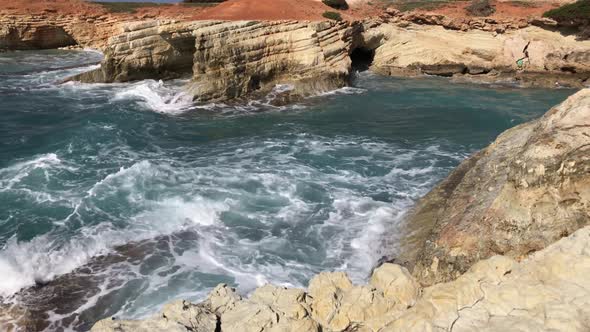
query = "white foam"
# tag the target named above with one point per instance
(157, 97)
(347, 90)
(12, 175)
(47, 256)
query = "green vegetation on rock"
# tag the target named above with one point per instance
(409, 5)
(126, 7)
(332, 16)
(480, 8)
(573, 11)
(336, 4)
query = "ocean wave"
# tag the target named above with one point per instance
(157, 96)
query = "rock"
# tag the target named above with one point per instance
(256, 56)
(231, 59)
(178, 316)
(38, 36)
(525, 191)
(339, 306)
(547, 291)
(397, 283)
(271, 308)
(434, 50)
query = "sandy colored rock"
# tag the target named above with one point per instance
(397, 283)
(234, 60)
(271, 308)
(339, 306)
(485, 55)
(525, 191)
(548, 291)
(178, 316)
(231, 59)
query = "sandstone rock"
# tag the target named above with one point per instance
(231, 59)
(396, 283)
(434, 50)
(339, 306)
(546, 292)
(525, 191)
(38, 36)
(178, 316)
(312, 57)
(271, 308)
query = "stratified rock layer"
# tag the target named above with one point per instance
(549, 291)
(238, 58)
(231, 59)
(525, 191)
(228, 60)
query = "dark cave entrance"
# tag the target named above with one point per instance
(362, 59)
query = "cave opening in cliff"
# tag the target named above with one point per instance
(362, 58)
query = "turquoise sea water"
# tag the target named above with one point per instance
(115, 199)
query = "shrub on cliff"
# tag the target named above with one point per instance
(480, 8)
(579, 10)
(332, 16)
(336, 4)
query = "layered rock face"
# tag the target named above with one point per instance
(31, 32)
(231, 59)
(235, 59)
(547, 57)
(525, 191)
(548, 291)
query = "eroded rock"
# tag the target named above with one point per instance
(525, 191)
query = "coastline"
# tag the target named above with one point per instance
(452, 282)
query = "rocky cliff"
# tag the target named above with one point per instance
(525, 191)
(52, 30)
(231, 59)
(492, 53)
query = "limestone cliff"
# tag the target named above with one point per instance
(547, 57)
(234, 59)
(48, 31)
(231, 59)
(525, 191)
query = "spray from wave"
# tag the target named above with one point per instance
(157, 96)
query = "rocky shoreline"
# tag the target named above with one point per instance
(315, 57)
(500, 244)
(232, 59)
(525, 196)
